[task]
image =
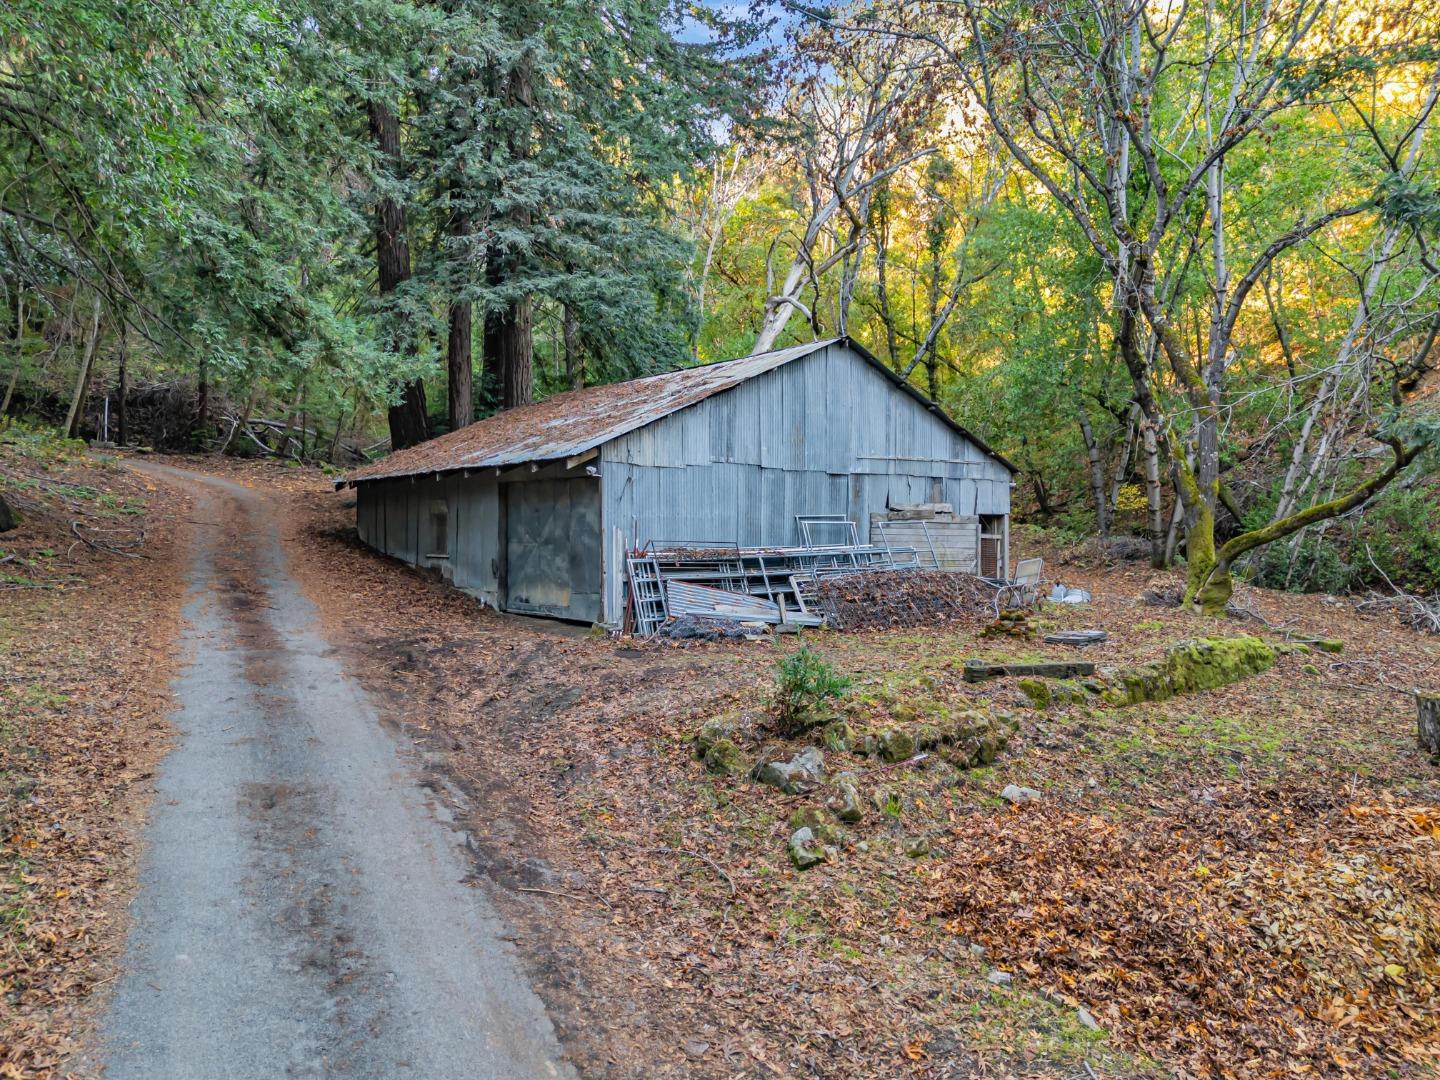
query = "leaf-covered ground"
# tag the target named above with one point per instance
(87, 640)
(1239, 882)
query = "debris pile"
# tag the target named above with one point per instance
(884, 599)
(1013, 623)
(1163, 592)
(700, 628)
(766, 585)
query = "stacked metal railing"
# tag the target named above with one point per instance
(728, 582)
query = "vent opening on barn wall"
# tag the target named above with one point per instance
(439, 529)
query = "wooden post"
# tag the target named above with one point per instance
(1428, 709)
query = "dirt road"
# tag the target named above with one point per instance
(301, 911)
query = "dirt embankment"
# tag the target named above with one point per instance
(90, 592)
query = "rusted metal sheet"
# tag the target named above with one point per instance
(686, 598)
(578, 420)
(790, 429)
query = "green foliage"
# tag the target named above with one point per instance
(805, 685)
(41, 443)
(1398, 538)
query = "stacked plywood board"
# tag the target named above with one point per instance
(954, 539)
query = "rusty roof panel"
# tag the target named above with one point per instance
(575, 421)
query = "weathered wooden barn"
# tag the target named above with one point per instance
(534, 510)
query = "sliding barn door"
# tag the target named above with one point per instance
(552, 548)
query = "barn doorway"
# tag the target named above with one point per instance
(552, 548)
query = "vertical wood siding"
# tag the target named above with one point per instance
(825, 434)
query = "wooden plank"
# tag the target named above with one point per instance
(979, 671)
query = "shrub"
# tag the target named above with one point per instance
(805, 684)
(1400, 531)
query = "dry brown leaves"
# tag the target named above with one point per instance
(1263, 937)
(84, 669)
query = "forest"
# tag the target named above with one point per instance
(1177, 261)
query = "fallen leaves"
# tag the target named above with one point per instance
(1309, 937)
(83, 677)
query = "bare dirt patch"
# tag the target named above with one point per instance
(87, 653)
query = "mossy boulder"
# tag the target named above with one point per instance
(724, 757)
(712, 731)
(1189, 667)
(805, 849)
(1207, 663)
(1067, 692)
(895, 744)
(1037, 690)
(1330, 645)
(1132, 685)
(795, 776)
(838, 736)
(845, 804)
(808, 817)
(829, 835)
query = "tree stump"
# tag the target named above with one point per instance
(1428, 707)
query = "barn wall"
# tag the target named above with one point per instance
(393, 517)
(825, 434)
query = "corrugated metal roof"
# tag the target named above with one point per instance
(571, 423)
(575, 421)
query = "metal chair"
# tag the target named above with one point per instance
(1023, 589)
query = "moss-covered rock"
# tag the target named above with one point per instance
(895, 744)
(712, 731)
(837, 736)
(1207, 663)
(1191, 666)
(808, 817)
(845, 804)
(1310, 669)
(1330, 645)
(1037, 690)
(805, 849)
(795, 776)
(724, 757)
(829, 835)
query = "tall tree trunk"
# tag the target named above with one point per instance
(1042, 495)
(460, 366)
(514, 351)
(459, 347)
(123, 391)
(1138, 364)
(1097, 475)
(202, 405)
(509, 339)
(17, 338)
(1122, 463)
(574, 358)
(408, 422)
(882, 264)
(82, 380)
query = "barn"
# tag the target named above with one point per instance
(534, 510)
